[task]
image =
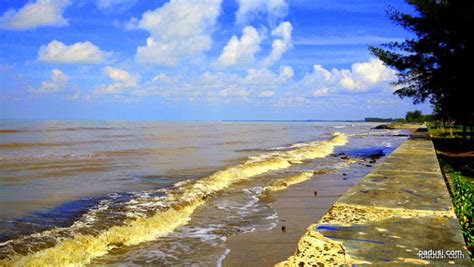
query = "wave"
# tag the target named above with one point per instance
(292, 180)
(289, 181)
(146, 217)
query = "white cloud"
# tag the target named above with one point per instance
(115, 5)
(361, 77)
(280, 45)
(321, 92)
(78, 53)
(122, 81)
(365, 75)
(264, 77)
(267, 93)
(58, 81)
(273, 9)
(240, 52)
(210, 86)
(36, 14)
(256, 85)
(179, 29)
(286, 72)
(234, 91)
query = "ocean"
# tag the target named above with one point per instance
(158, 193)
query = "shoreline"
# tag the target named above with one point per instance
(366, 227)
(296, 207)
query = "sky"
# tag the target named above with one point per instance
(197, 60)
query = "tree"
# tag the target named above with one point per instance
(437, 64)
(415, 116)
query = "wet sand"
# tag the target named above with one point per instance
(297, 208)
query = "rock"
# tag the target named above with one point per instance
(383, 127)
(283, 228)
(377, 155)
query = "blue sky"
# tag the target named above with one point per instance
(197, 60)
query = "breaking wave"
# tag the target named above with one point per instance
(146, 216)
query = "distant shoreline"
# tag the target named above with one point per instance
(293, 120)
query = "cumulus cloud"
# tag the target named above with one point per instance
(249, 9)
(58, 81)
(211, 86)
(179, 29)
(36, 14)
(78, 53)
(362, 76)
(265, 78)
(281, 44)
(240, 52)
(121, 81)
(286, 72)
(365, 75)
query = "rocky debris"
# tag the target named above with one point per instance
(383, 127)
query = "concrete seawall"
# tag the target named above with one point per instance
(400, 213)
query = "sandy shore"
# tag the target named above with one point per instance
(297, 207)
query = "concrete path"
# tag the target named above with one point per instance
(399, 213)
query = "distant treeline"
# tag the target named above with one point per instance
(411, 116)
(382, 120)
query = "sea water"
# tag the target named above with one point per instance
(161, 193)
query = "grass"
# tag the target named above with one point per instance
(456, 159)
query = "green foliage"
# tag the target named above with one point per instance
(459, 173)
(464, 208)
(415, 116)
(435, 65)
(462, 194)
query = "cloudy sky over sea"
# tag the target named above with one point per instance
(199, 59)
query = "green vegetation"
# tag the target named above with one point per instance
(463, 205)
(417, 116)
(457, 163)
(370, 119)
(411, 117)
(435, 64)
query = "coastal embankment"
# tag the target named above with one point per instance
(400, 213)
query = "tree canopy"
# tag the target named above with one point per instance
(436, 65)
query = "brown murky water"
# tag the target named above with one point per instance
(156, 193)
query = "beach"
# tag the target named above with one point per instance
(297, 207)
(158, 193)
